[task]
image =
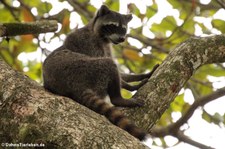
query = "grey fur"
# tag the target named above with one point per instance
(83, 68)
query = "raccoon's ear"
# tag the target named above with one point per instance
(128, 17)
(103, 11)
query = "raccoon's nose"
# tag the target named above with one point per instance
(121, 39)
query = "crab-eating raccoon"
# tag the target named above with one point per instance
(83, 69)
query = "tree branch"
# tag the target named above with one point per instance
(30, 114)
(149, 42)
(221, 3)
(13, 29)
(81, 8)
(172, 74)
(174, 128)
(199, 102)
(186, 139)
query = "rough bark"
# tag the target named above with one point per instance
(29, 114)
(173, 73)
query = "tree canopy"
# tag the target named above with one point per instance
(156, 29)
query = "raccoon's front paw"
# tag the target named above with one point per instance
(143, 82)
(138, 102)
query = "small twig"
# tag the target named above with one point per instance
(182, 137)
(221, 66)
(80, 9)
(173, 128)
(148, 42)
(221, 3)
(180, 27)
(207, 84)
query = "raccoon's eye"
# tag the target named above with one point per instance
(113, 29)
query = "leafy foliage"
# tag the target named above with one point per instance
(152, 40)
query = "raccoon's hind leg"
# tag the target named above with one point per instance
(143, 78)
(129, 87)
(114, 87)
(138, 77)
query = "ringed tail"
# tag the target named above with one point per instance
(115, 116)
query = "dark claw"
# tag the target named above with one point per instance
(143, 82)
(153, 70)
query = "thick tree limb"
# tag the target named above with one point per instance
(30, 114)
(172, 74)
(13, 29)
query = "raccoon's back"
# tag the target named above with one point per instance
(60, 70)
(84, 41)
(68, 73)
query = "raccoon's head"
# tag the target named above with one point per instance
(111, 25)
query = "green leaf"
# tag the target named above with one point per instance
(166, 118)
(33, 3)
(126, 94)
(91, 8)
(168, 23)
(6, 16)
(178, 103)
(206, 117)
(224, 119)
(216, 118)
(80, 1)
(175, 4)
(189, 27)
(208, 13)
(219, 24)
(134, 9)
(152, 10)
(43, 8)
(212, 70)
(205, 30)
(84, 19)
(184, 7)
(115, 5)
(6, 55)
(34, 71)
